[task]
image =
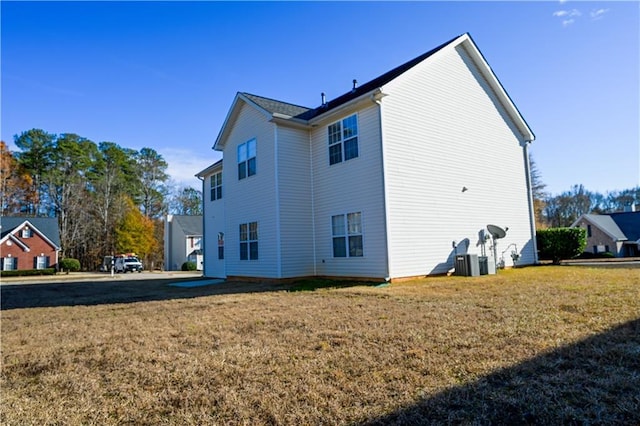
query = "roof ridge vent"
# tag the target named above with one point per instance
(324, 100)
(355, 85)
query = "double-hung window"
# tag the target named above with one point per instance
(347, 235)
(249, 241)
(42, 262)
(216, 186)
(9, 263)
(27, 233)
(247, 159)
(343, 140)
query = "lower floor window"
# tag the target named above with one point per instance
(249, 241)
(42, 262)
(9, 263)
(347, 235)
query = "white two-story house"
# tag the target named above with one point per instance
(381, 182)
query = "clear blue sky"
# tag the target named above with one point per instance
(163, 74)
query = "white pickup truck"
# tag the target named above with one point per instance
(128, 264)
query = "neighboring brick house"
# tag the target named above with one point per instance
(616, 233)
(29, 243)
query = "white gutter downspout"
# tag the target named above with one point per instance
(388, 277)
(277, 194)
(532, 214)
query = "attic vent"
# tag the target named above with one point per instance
(355, 85)
(324, 99)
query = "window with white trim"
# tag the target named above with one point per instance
(343, 140)
(249, 241)
(247, 159)
(216, 186)
(27, 233)
(346, 230)
(9, 263)
(42, 262)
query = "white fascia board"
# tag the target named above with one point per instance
(16, 240)
(209, 170)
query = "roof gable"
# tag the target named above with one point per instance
(274, 109)
(45, 227)
(605, 223)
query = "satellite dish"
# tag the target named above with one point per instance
(496, 232)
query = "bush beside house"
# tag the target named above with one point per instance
(556, 244)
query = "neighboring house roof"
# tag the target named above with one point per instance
(46, 226)
(606, 224)
(274, 109)
(190, 225)
(628, 223)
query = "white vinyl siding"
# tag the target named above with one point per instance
(352, 186)
(214, 231)
(459, 137)
(295, 202)
(251, 199)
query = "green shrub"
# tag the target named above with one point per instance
(189, 266)
(561, 243)
(70, 265)
(28, 272)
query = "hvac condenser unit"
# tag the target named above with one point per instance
(467, 265)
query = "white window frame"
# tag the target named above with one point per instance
(26, 233)
(8, 264)
(343, 138)
(347, 235)
(247, 153)
(248, 241)
(216, 186)
(41, 262)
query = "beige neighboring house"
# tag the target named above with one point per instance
(182, 241)
(616, 233)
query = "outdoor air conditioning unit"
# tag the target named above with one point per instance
(467, 265)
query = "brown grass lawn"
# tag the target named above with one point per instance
(539, 345)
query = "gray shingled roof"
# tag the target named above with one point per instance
(607, 224)
(191, 225)
(304, 113)
(274, 106)
(46, 225)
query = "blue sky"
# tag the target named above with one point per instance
(163, 74)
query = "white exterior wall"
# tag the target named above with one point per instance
(443, 130)
(213, 212)
(355, 185)
(295, 202)
(251, 199)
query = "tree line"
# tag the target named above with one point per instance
(107, 198)
(562, 210)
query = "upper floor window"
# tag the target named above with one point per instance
(27, 233)
(247, 159)
(343, 140)
(249, 241)
(347, 235)
(216, 186)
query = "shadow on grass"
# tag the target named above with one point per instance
(595, 381)
(313, 284)
(105, 291)
(98, 292)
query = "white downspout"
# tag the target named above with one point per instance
(532, 214)
(384, 192)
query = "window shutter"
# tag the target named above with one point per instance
(35, 262)
(48, 260)
(15, 263)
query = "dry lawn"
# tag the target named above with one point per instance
(541, 345)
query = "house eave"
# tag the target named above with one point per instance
(373, 96)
